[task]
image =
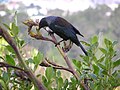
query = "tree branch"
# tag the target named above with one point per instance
(10, 41)
(3, 64)
(47, 63)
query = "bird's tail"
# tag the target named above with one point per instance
(85, 52)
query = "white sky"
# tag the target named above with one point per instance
(71, 5)
(66, 5)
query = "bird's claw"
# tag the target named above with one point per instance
(66, 47)
(57, 44)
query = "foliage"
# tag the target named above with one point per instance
(98, 70)
(101, 69)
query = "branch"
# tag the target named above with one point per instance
(3, 64)
(10, 41)
(55, 66)
(19, 72)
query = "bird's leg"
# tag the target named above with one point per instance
(66, 47)
(59, 42)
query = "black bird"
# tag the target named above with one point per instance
(62, 28)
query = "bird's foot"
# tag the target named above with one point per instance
(58, 43)
(66, 47)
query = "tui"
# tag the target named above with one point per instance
(62, 28)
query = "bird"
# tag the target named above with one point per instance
(63, 29)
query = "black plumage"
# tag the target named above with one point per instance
(62, 28)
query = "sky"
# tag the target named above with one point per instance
(66, 5)
(69, 5)
(72, 5)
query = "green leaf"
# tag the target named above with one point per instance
(85, 43)
(96, 69)
(44, 81)
(6, 76)
(105, 72)
(10, 49)
(14, 29)
(101, 59)
(116, 63)
(73, 79)
(30, 60)
(49, 73)
(98, 87)
(107, 63)
(38, 75)
(77, 63)
(93, 76)
(94, 59)
(115, 42)
(10, 60)
(58, 73)
(108, 43)
(15, 17)
(1, 58)
(38, 59)
(60, 80)
(94, 47)
(7, 26)
(22, 42)
(85, 59)
(94, 40)
(73, 83)
(66, 84)
(102, 66)
(103, 50)
(111, 50)
(3, 84)
(115, 73)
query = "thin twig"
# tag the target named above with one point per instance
(19, 72)
(56, 66)
(3, 64)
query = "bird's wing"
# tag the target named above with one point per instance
(61, 29)
(77, 31)
(65, 31)
(63, 23)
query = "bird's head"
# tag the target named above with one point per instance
(43, 23)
